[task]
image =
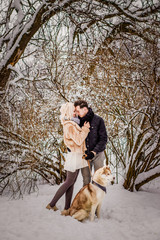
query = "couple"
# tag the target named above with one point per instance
(83, 134)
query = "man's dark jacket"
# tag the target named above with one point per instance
(97, 137)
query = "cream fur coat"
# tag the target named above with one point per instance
(74, 136)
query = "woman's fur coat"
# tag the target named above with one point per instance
(74, 136)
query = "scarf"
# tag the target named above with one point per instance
(76, 120)
(87, 118)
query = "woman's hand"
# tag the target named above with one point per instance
(87, 124)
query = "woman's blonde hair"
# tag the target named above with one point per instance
(67, 111)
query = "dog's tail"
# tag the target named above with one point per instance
(80, 215)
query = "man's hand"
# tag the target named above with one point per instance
(87, 124)
(89, 156)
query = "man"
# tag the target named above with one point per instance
(96, 139)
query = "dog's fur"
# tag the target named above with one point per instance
(89, 199)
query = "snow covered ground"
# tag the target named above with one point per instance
(124, 215)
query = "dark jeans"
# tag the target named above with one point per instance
(67, 187)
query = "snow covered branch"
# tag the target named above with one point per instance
(20, 22)
(146, 177)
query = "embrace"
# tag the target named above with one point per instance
(84, 133)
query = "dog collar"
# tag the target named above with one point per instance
(100, 186)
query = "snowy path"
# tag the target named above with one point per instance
(124, 215)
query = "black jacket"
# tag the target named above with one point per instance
(97, 137)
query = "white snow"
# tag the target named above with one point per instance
(124, 215)
(18, 7)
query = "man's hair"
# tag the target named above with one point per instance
(81, 103)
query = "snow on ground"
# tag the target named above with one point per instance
(124, 215)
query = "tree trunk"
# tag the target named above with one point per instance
(129, 181)
(137, 186)
(4, 76)
(19, 46)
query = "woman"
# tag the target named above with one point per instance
(74, 139)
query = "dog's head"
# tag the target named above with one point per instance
(103, 176)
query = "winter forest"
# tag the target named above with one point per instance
(106, 52)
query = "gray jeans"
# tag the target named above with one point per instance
(97, 162)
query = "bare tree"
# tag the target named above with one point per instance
(31, 140)
(32, 149)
